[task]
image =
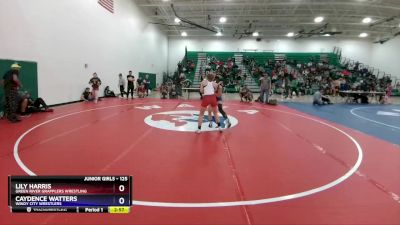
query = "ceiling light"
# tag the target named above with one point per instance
(290, 34)
(222, 19)
(219, 33)
(255, 34)
(363, 35)
(367, 20)
(326, 35)
(183, 34)
(319, 19)
(177, 20)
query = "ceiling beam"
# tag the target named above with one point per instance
(271, 4)
(261, 30)
(294, 24)
(306, 15)
(274, 36)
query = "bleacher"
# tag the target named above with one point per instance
(332, 58)
(222, 56)
(260, 58)
(343, 61)
(193, 57)
(202, 56)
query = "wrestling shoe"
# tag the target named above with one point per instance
(228, 123)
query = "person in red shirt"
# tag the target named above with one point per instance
(346, 73)
(141, 91)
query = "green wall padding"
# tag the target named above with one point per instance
(28, 77)
(151, 77)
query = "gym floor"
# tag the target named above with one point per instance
(293, 163)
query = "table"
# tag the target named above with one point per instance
(188, 90)
(351, 95)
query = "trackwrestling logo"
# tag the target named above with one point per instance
(185, 121)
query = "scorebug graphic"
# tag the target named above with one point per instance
(70, 194)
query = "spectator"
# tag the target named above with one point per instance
(87, 95)
(246, 94)
(139, 81)
(265, 88)
(389, 92)
(146, 83)
(180, 67)
(249, 96)
(121, 83)
(346, 73)
(178, 84)
(294, 87)
(28, 105)
(172, 92)
(319, 99)
(335, 86)
(164, 90)
(108, 93)
(141, 90)
(131, 84)
(95, 82)
(286, 85)
(11, 85)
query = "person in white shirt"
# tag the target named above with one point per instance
(121, 84)
(208, 88)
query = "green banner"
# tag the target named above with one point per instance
(149, 77)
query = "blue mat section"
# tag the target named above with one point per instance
(382, 121)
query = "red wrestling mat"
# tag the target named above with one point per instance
(274, 166)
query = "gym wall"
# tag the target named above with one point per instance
(64, 35)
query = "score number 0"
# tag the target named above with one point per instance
(121, 188)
